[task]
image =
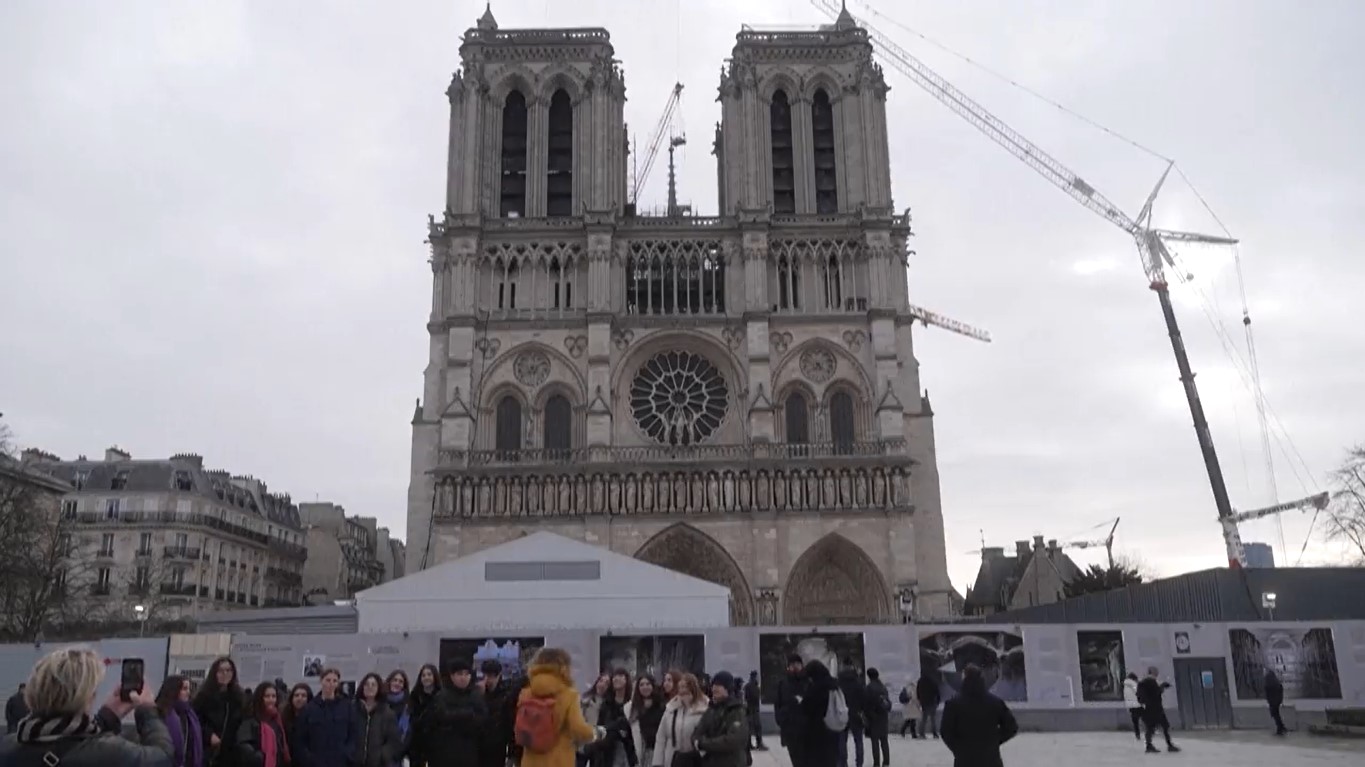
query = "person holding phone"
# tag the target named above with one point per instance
(60, 731)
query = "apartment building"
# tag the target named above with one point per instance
(165, 539)
(345, 554)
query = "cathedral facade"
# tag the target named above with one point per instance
(736, 396)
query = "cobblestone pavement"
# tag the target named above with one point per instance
(1112, 749)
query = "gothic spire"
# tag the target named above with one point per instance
(845, 20)
(486, 21)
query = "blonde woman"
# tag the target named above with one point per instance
(61, 730)
(673, 744)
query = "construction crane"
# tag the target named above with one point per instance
(1318, 502)
(938, 320)
(1107, 542)
(656, 142)
(1151, 242)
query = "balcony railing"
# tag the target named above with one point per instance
(650, 454)
(147, 552)
(291, 550)
(182, 552)
(183, 590)
(167, 519)
(284, 576)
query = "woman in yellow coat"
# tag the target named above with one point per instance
(550, 678)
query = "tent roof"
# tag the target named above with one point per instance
(542, 566)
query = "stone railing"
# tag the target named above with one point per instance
(655, 454)
(632, 490)
(170, 519)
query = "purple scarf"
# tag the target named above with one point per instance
(189, 751)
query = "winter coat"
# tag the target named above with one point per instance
(927, 693)
(152, 749)
(1149, 692)
(676, 730)
(820, 743)
(452, 728)
(1130, 698)
(753, 697)
(855, 697)
(249, 751)
(877, 705)
(419, 701)
(612, 717)
(378, 742)
(554, 681)
(326, 733)
(502, 715)
(722, 735)
(791, 722)
(910, 704)
(1274, 691)
(644, 726)
(220, 714)
(975, 724)
(15, 709)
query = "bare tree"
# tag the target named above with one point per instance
(152, 585)
(1345, 516)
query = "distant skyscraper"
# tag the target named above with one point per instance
(1259, 555)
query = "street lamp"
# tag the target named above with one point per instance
(1268, 602)
(141, 611)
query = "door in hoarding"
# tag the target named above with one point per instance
(1201, 690)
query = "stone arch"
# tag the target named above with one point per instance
(788, 368)
(818, 79)
(835, 582)
(515, 77)
(498, 374)
(781, 78)
(781, 393)
(685, 549)
(565, 77)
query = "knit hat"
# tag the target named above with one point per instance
(458, 665)
(723, 679)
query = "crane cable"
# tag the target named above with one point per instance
(1248, 369)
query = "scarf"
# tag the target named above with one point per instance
(189, 746)
(34, 729)
(274, 746)
(396, 702)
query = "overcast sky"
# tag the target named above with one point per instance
(212, 214)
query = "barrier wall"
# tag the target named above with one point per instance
(1053, 676)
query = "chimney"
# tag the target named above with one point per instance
(116, 453)
(1037, 543)
(34, 455)
(992, 553)
(193, 459)
(1052, 548)
(1021, 548)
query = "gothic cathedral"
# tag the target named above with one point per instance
(736, 396)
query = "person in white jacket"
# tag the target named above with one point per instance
(1130, 699)
(681, 717)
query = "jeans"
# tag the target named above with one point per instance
(929, 722)
(855, 729)
(881, 746)
(1279, 723)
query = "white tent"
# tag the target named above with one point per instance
(543, 582)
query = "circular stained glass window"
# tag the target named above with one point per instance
(678, 398)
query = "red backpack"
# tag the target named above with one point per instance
(535, 729)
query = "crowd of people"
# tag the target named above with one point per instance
(456, 718)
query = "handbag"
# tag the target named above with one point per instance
(682, 758)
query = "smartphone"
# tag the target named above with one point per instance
(132, 679)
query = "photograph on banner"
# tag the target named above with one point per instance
(654, 654)
(999, 654)
(313, 665)
(514, 653)
(832, 649)
(1102, 667)
(1304, 659)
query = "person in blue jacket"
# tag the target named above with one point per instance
(327, 730)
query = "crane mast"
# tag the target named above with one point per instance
(1150, 245)
(656, 141)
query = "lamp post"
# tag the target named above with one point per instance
(141, 611)
(1268, 602)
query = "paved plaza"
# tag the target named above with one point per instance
(1112, 749)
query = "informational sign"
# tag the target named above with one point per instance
(1206, 678)
(1182, 643)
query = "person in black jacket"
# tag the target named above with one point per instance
(450, 731)
(378, 743)
(500, 695)
(791, 719)
(326, 733)
(820, 744)
(262, 740)
(1274, 697)
(855, 695)
(752, 703)
(976, 723)
(424, 691)
(1153, 712)
(219, 706)
(927, 693)
(877, 710)
(15, 709)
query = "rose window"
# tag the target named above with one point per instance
(678, 398)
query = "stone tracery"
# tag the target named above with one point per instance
(678, 398)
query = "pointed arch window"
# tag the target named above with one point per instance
(797, 418)
(513, 199)
(508, 427)
(559, 179)
(506, 274)
(842, 431)
(784, 167)
(558, 426)
(822, 132)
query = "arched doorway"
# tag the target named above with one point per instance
(834, 582)
(687, 550)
